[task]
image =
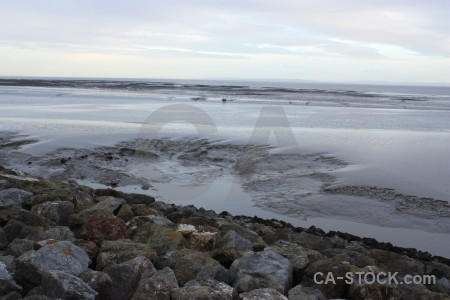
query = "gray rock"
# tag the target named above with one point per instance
(3, 239)
(121, 250)
(19, 246)
(12, 296)
(263, 294)
(375, 291)
(393, 262)
(7, 283)
(15, 197)
(305, 293)
(266, 269)
(61, 256)
(442, 286)
(126, 276)
(125, 213)
(205, 289)
(24, 224)
(297, 255)
(10, 262)
(57, 211)
(191, 264)
(110, 203)
(99, 281)
(230, 247)
(157, 287)
(61, 233)
(66, 286)
(159, 237)
(78, 219)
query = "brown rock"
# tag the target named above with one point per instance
(99, 229)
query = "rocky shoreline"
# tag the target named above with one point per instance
(67, 241)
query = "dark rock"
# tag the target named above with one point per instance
(144, 210)
(195, 240)
(3, 239)
(61, 233)
(12, 296)
(125, 213)
(98, 281)
(89, 247)
(442, 286)
(129, 198)
(58, 211)
(305, 293)
(438, 269)
(157, 287)
(330, 289)
(43, 243)
(7, 283)
(159, 237)
(126, 276)
(24, 224)
(110, 203)
(205, 289)
(19, 246)
(10, 262)
(263, 294)
(191, 264)
(230, 247)
(16, 197)
(398, 263)
(78, 219)
(99, 229)
(122, 250)
(353, 257)
(375, 291)
(62, 256)
(62, 285)
(266, 269)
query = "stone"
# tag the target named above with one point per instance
(393, 262)
(266, 269)
(442, 286)
(78, 219)
(121, 250)
(191, 264)
(57, 211)
(24, 224)
(159, 237)
(62, 233)
(263, 294)
(43, 243)
(438, 269)
(205, 289)
(230, 247)
(89, 247)
(300, 292)
(98, 281)
(12, 296)
(202, 241)
(3, 239)
(10, 262)
(126, 276)
(130, 198)
(17, 197)
(330, 289)
(110, 203)
(99, 229)
(62, 285)
(144, 210)
(61, 256)
(375, 291)
(157, 287)
(125, 213)
(296, 254)
(19, 246)
(353, 257)
(7, 283)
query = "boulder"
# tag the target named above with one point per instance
(89, 247)
(266, 269)
(230, 247)
(78, 219)
(110, 203)
(126, 276)
(438, 269)
(19, 246)
(57, 284)
(61, 256)
(330, 289)
(191, 264)
(12, 296)
(24, 224)
(393, 262)
(300, 292)
(202, 241)
(3, 239)
(143, 210)
(62, 233)
(7, 283)
(159, 237)
(129, 198)
(122, 250)
(10, 262)
(157, 287)
(98, 281)
(373, 291)
(16, 197)
(205, 289)
(57, 211)
(442, 286)
(263, 294)
(99, 229)
(297, 255)
(125, 213)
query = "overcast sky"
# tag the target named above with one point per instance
(327, 40)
